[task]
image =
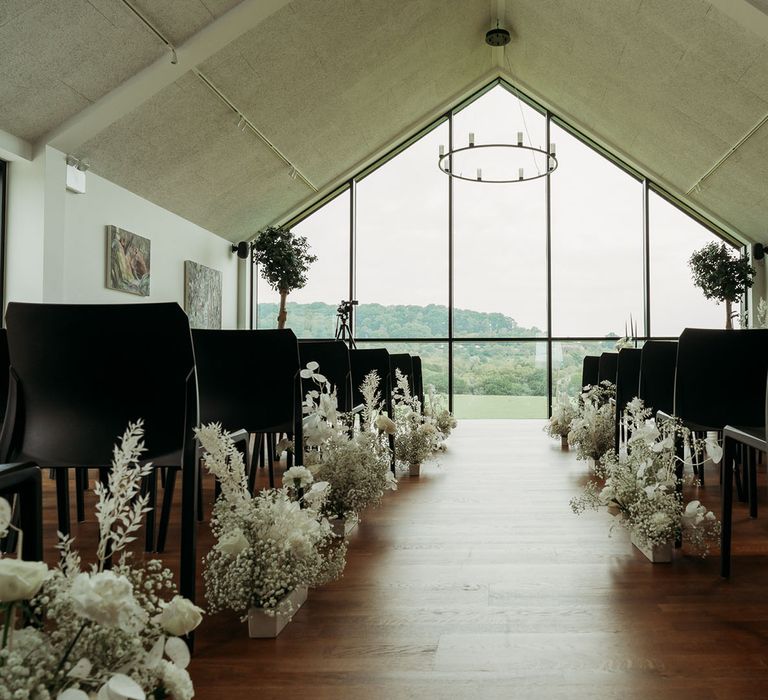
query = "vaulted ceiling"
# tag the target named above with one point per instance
(679, 89)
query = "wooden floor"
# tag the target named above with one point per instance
(476, 581)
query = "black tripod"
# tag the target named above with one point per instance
(343, 329)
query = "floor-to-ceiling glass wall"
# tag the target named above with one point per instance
(459, 272)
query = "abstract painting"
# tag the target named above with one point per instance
(128, 261)
(202, 295)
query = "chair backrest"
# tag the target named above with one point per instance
(80, 373)
(607, 367)
(627, 383)
(364, 362)
(590, 370)
(23, 481)
(404, 362)
(333, 358)
(721, 377)
(418, 379)
(657, 375)
(249, 379)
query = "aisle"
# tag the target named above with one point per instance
(476, 581)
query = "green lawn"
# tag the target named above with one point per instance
(481, 406)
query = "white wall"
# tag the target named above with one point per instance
(71, 265)
(25, 230)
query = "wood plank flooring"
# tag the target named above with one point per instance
(476, 581)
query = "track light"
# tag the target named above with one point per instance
(759, 250)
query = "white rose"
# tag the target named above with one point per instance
(107, 599)
(121, 687)
(180, 616)
(19, 579)
(72, 694)
(233, 542)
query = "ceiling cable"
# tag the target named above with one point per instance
(697, 186)
(243, 123)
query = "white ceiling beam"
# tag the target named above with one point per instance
(745, 13)
(14, 148)
(138, 89)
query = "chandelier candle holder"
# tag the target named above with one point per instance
(498, 162)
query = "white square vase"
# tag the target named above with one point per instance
(343, 527)
(263, 626)
(414, 469)
(660, 554)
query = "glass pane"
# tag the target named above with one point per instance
(434, 361)
(567, 360)
(312, 310)
(597, 243)
(675, 302)
(402, 245)
(500, 380)
(500, 273)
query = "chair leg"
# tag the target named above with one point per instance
(727, 507)
(200, 513)
(738, 457)
(149, 534)
(81, 485)
(288, 454)
(165, 514)
(62, 499)
(752, 474)
(255, 457)
(271, 459)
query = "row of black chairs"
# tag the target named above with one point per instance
(79, 373)
(712, 381)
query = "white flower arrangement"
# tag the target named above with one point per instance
(643, 486)
(417, 437)
(269, 544)
(564, 411)
(356, 468)
(438, 411)
(111, 633)
(593, 429)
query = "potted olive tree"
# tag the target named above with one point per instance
(283, 260)
(722, 275)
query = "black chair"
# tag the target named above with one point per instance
(657, 375)
(418, 379)
(404, 362)
(363, 362)
(5, 363)
(249, 380)
(627, 383)
(333, 358)
(80, 373)
(607, 365)
(720, 380)
(21, 485)
(590, 370)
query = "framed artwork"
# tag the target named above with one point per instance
(202, 295)
(128, 261)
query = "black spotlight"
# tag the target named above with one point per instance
(242, 249)
(758, 251)
(497, 37)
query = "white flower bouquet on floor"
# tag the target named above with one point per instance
(267, 545)
(106, 633)
(644, 487)
(438, 411)
(564, 412)
(592, 430)
(417, 437)
(354, 464)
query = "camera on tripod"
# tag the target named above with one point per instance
(346, 306)
(343, 330)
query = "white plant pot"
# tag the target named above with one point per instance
(414, 469)
(263, 626)
(660, 554)
(343, 527)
